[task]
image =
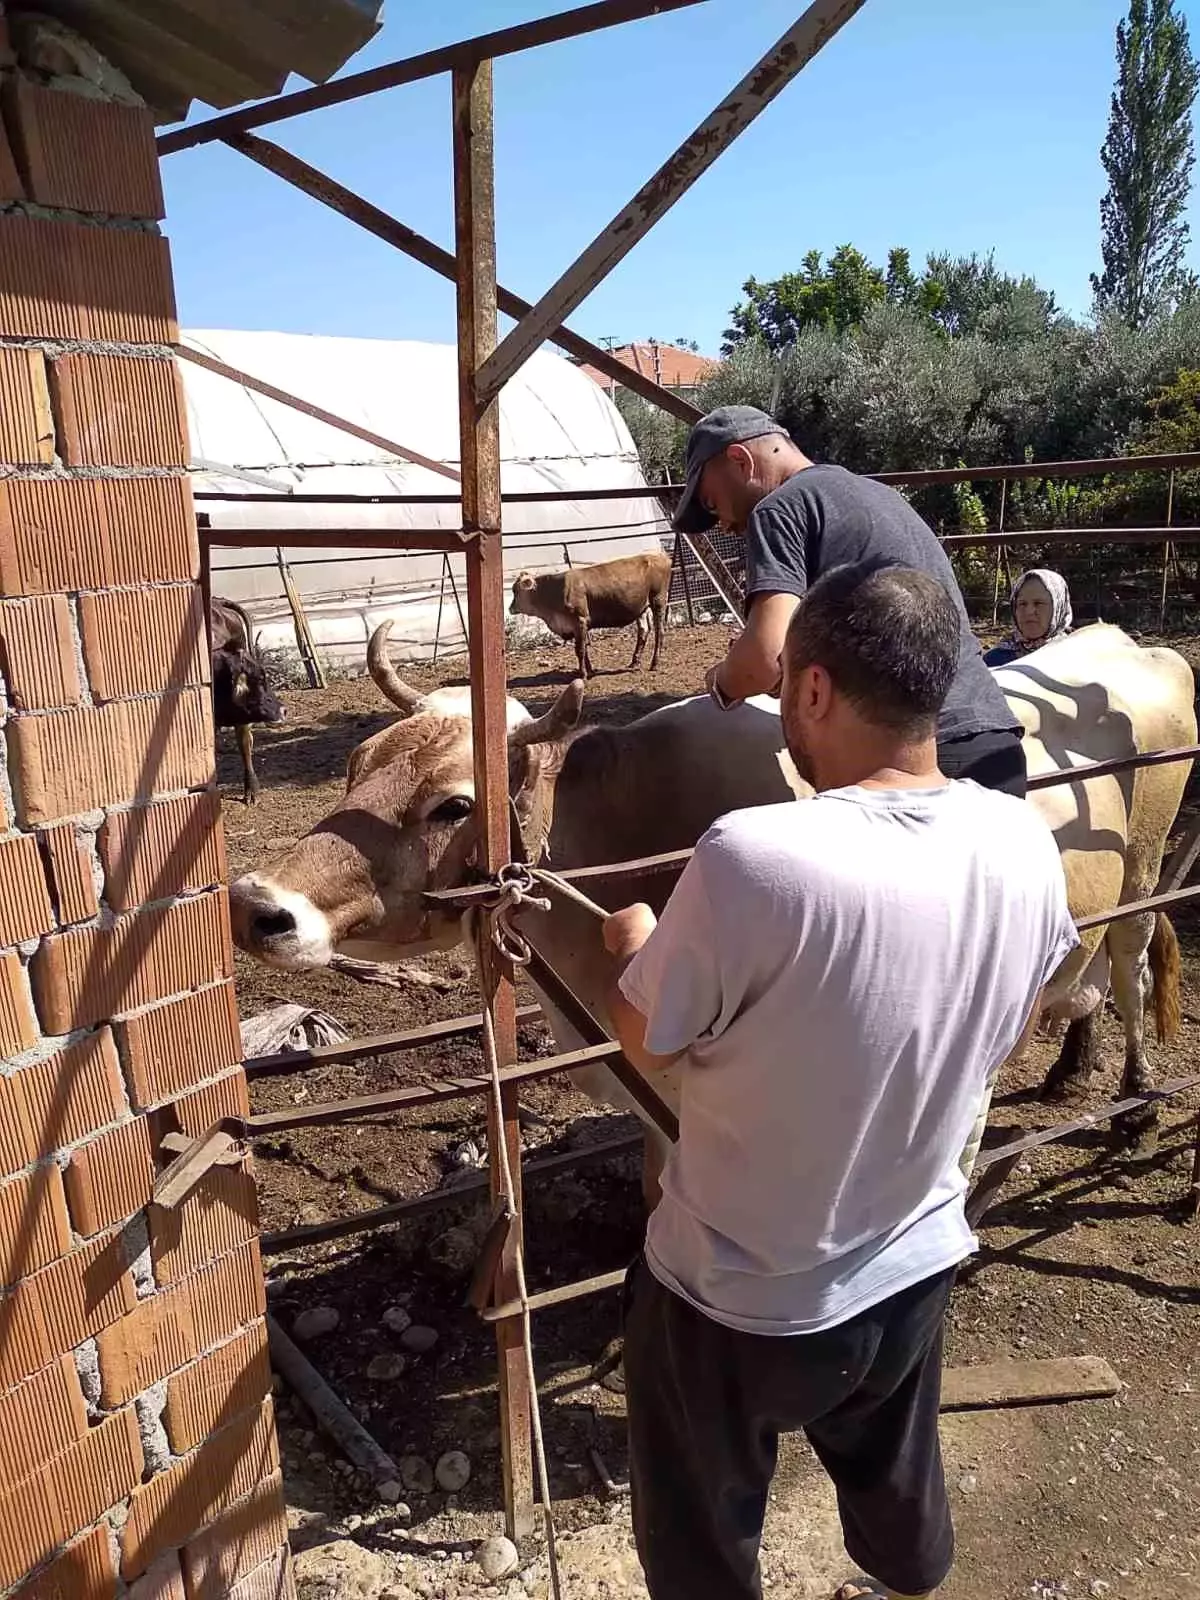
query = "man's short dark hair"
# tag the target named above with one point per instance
(889, 638)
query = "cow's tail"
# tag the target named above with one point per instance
(1165, 970)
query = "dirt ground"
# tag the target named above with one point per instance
(1085, 1254)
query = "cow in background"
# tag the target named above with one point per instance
(611, 594)
(241, 694)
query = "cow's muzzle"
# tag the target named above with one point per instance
(278, 925)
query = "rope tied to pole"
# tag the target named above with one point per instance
(516, 885)
(475, 921)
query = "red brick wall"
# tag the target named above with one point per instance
(137, 1443)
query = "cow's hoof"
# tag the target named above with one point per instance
(1137, 1130)
(250, 798)
(1065, 1089)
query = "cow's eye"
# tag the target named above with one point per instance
(453, 809)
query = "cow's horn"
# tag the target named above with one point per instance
(561, 718)
(387, 680)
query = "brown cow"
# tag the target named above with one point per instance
(355, 883)
(611, 594)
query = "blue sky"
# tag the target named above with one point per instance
(929, 123)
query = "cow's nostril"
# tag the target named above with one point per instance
(270, 924)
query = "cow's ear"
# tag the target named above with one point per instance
(562, 716)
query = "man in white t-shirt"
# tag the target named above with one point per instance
(842, 976)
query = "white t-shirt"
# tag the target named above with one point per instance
(846, 973)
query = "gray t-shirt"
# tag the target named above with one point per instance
(846, 974)
(823, 517)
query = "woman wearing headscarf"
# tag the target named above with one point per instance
(1041, 611)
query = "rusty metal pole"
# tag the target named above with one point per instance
(475, 248)
(1167, 553)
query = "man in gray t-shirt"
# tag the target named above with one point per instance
(841, 978)
(799, 519)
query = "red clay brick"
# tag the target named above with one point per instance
(69, 762)
(157, 1337)
(58, 1100)
(58, 1308)
(69, 1492)
(84, 1571)
(272, 1581)
(10, 178)
(40, 1419)
(219, 1214)
(170, 741)
(94, 533)
(228, 1293)
(16, 1138)
(140, 641)
(26, 420)
(161, 850)
(37, 653)
(165, 1512)
(123, 286)
(223, 1384)
(33, 1223)
(18, 1025)
(88, 974)
(227, 1097)
(119, 411)
(69, 867)
(237, 1543)
(110, 1177)
(84, 154)
(166, 1331)
(100, 1471)
(164, 1581)
(179, 1044)
(70, 1094)
(25, 909)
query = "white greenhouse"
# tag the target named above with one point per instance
(558, 431)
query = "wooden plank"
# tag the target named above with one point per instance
(1028, 1383)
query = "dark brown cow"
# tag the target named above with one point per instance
(241, 694)
(612, 594)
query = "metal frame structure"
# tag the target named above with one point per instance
(485, 364)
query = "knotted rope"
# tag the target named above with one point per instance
(516, 884)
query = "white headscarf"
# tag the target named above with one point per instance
(1061, 615)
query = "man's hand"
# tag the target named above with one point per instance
(712, 683)
(626, 931)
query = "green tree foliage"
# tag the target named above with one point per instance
(1148, 157)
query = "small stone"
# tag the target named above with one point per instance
(397, 1319)
(497, 1557)
(452, 1472)
(316, 1322)
(391, 1492)
(968, 1483)
(353, 1524)
(416, 1475)
(386, 1368)
(419, 1340)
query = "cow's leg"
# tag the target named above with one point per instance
(245, 739)
(1132, 986)
(581, 647)
(1077, 1059)
(643, 633)
(658, 613)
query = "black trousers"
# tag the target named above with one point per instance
(707, 1405)
(995, 760)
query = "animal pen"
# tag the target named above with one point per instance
(485, 363)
